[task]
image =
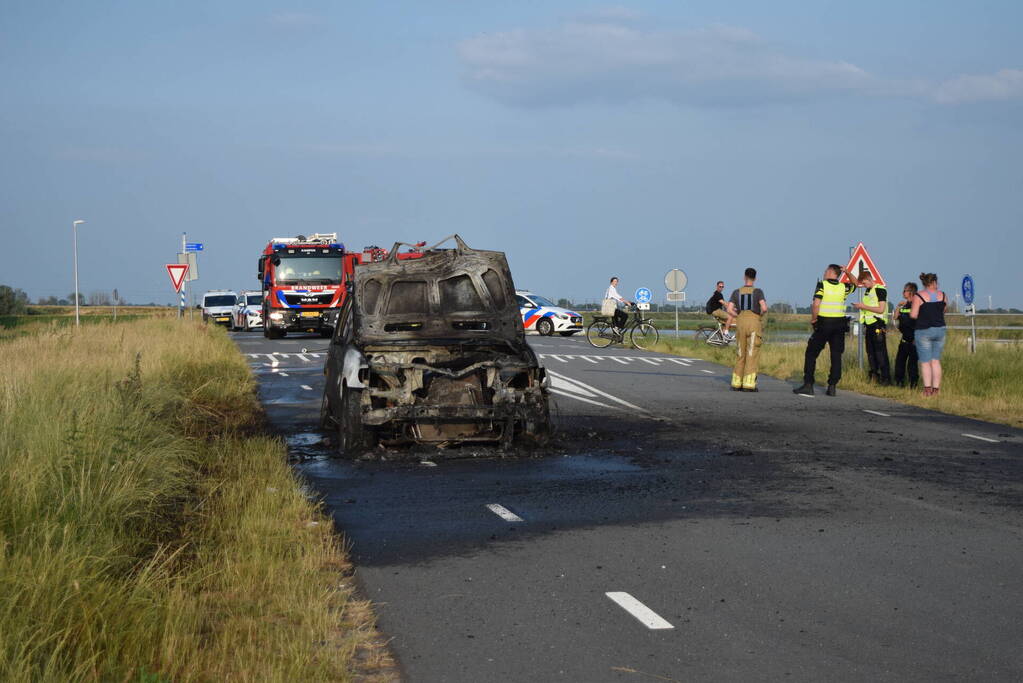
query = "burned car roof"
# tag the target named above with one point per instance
(454, 295)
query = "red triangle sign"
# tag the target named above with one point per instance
(860, 262)
(177, 272)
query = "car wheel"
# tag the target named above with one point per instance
(545, 327)
(353, 437)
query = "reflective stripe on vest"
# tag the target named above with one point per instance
(870, 299)
(746, 299)
(833, 301)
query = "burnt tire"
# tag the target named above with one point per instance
(353, 437)
(326, 412)
(545, 327)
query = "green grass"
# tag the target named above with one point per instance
(985, 385)
(148, 530)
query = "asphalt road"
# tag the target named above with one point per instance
(766, 536)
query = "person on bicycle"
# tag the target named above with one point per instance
(716, 307)
(620, 317)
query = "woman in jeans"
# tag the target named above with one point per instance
(929, 313)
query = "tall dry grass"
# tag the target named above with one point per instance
(147, 530)
(987, 385)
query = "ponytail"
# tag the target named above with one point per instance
(928, 279)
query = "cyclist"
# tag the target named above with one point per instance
(619, 318)
(716, 307)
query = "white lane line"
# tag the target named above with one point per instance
(682, 361)
(282, 374)
(589, 358)
(561, 358)
(982, 438)
(504, 513)
(591, 390)
(709, 372)
(307, 387)
(877, 412)
(302, 357)
(582, 398)
(652, 361)
(623, 361)
(804, 395)
(273, 361)
(644, 614)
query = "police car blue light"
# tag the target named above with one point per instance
(544, 317)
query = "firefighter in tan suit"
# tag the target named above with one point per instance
(748, 306)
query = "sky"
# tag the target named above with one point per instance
(583, 139)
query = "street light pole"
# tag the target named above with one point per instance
(74, 234)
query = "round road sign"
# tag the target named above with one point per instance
(968, 289)
(643, 295)
(675, 280)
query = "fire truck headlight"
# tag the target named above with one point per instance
(276, 316)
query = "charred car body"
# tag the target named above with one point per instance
(432, 350)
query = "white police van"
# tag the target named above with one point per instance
(218, 306)
(543, 316)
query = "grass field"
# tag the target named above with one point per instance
(987, 385)
(49, 318)
(148, 530)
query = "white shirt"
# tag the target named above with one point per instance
(612, 293)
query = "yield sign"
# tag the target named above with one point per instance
(177, 272)
(860, 262)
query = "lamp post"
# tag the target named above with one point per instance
(74, 233)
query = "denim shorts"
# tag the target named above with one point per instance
(929, 343)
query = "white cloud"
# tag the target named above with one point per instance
(610, 60)
(1006, 84)
(608, 56)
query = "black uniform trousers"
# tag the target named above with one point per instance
(876, 342)
(906, 362)
(830, 331)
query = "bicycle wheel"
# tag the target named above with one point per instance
(599, 334)
(702, 334)
(643, 336)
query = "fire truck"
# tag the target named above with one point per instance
(304, 281)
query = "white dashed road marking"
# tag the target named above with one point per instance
(307, 387)
(877, 412)
(644, 614)
(982, 438)
(709, 372)
(573, 388)
(283, 374)
(504, 513)
(622, 360)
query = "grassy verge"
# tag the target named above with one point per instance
(148, 531)
(984, 385)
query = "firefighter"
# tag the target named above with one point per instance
(906, 358)
(829, 327)
(874, 323)
(747, 307)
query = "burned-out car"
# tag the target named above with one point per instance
(432, 350)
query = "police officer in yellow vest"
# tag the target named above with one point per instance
(829, 327)
(874, 321)
(748, 306)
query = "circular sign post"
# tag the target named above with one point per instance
(675, 280)
(643, 295)
(968, 292)
(968, 289)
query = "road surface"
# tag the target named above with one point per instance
(681, 531)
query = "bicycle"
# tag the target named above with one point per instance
(715, 336)
(601, 333)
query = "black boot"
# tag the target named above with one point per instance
(831, 390)
(805, 390)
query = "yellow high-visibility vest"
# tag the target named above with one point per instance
(870, 299)
(833, 301)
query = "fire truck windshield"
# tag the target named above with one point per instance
(309, 270)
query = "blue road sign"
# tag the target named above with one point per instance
(968, 289)
(643, 295)
(194, 246)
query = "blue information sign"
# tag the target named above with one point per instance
(643, 295)
(194, 246)
(968, 289)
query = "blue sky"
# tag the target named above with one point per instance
(585, 140)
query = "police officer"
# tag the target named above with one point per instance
(747, 306)
(829, 327)
(874, 321)
(906, 358)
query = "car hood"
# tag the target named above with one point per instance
(217, 310)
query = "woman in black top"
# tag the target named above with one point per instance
(929, 313)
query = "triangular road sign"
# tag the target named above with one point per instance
(177, 272)
(860, 262)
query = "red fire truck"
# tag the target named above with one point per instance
(304, 281)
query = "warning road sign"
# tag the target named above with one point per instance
(177, 272)
(859, 263)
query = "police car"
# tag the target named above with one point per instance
(543, 316)
(248, 312)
